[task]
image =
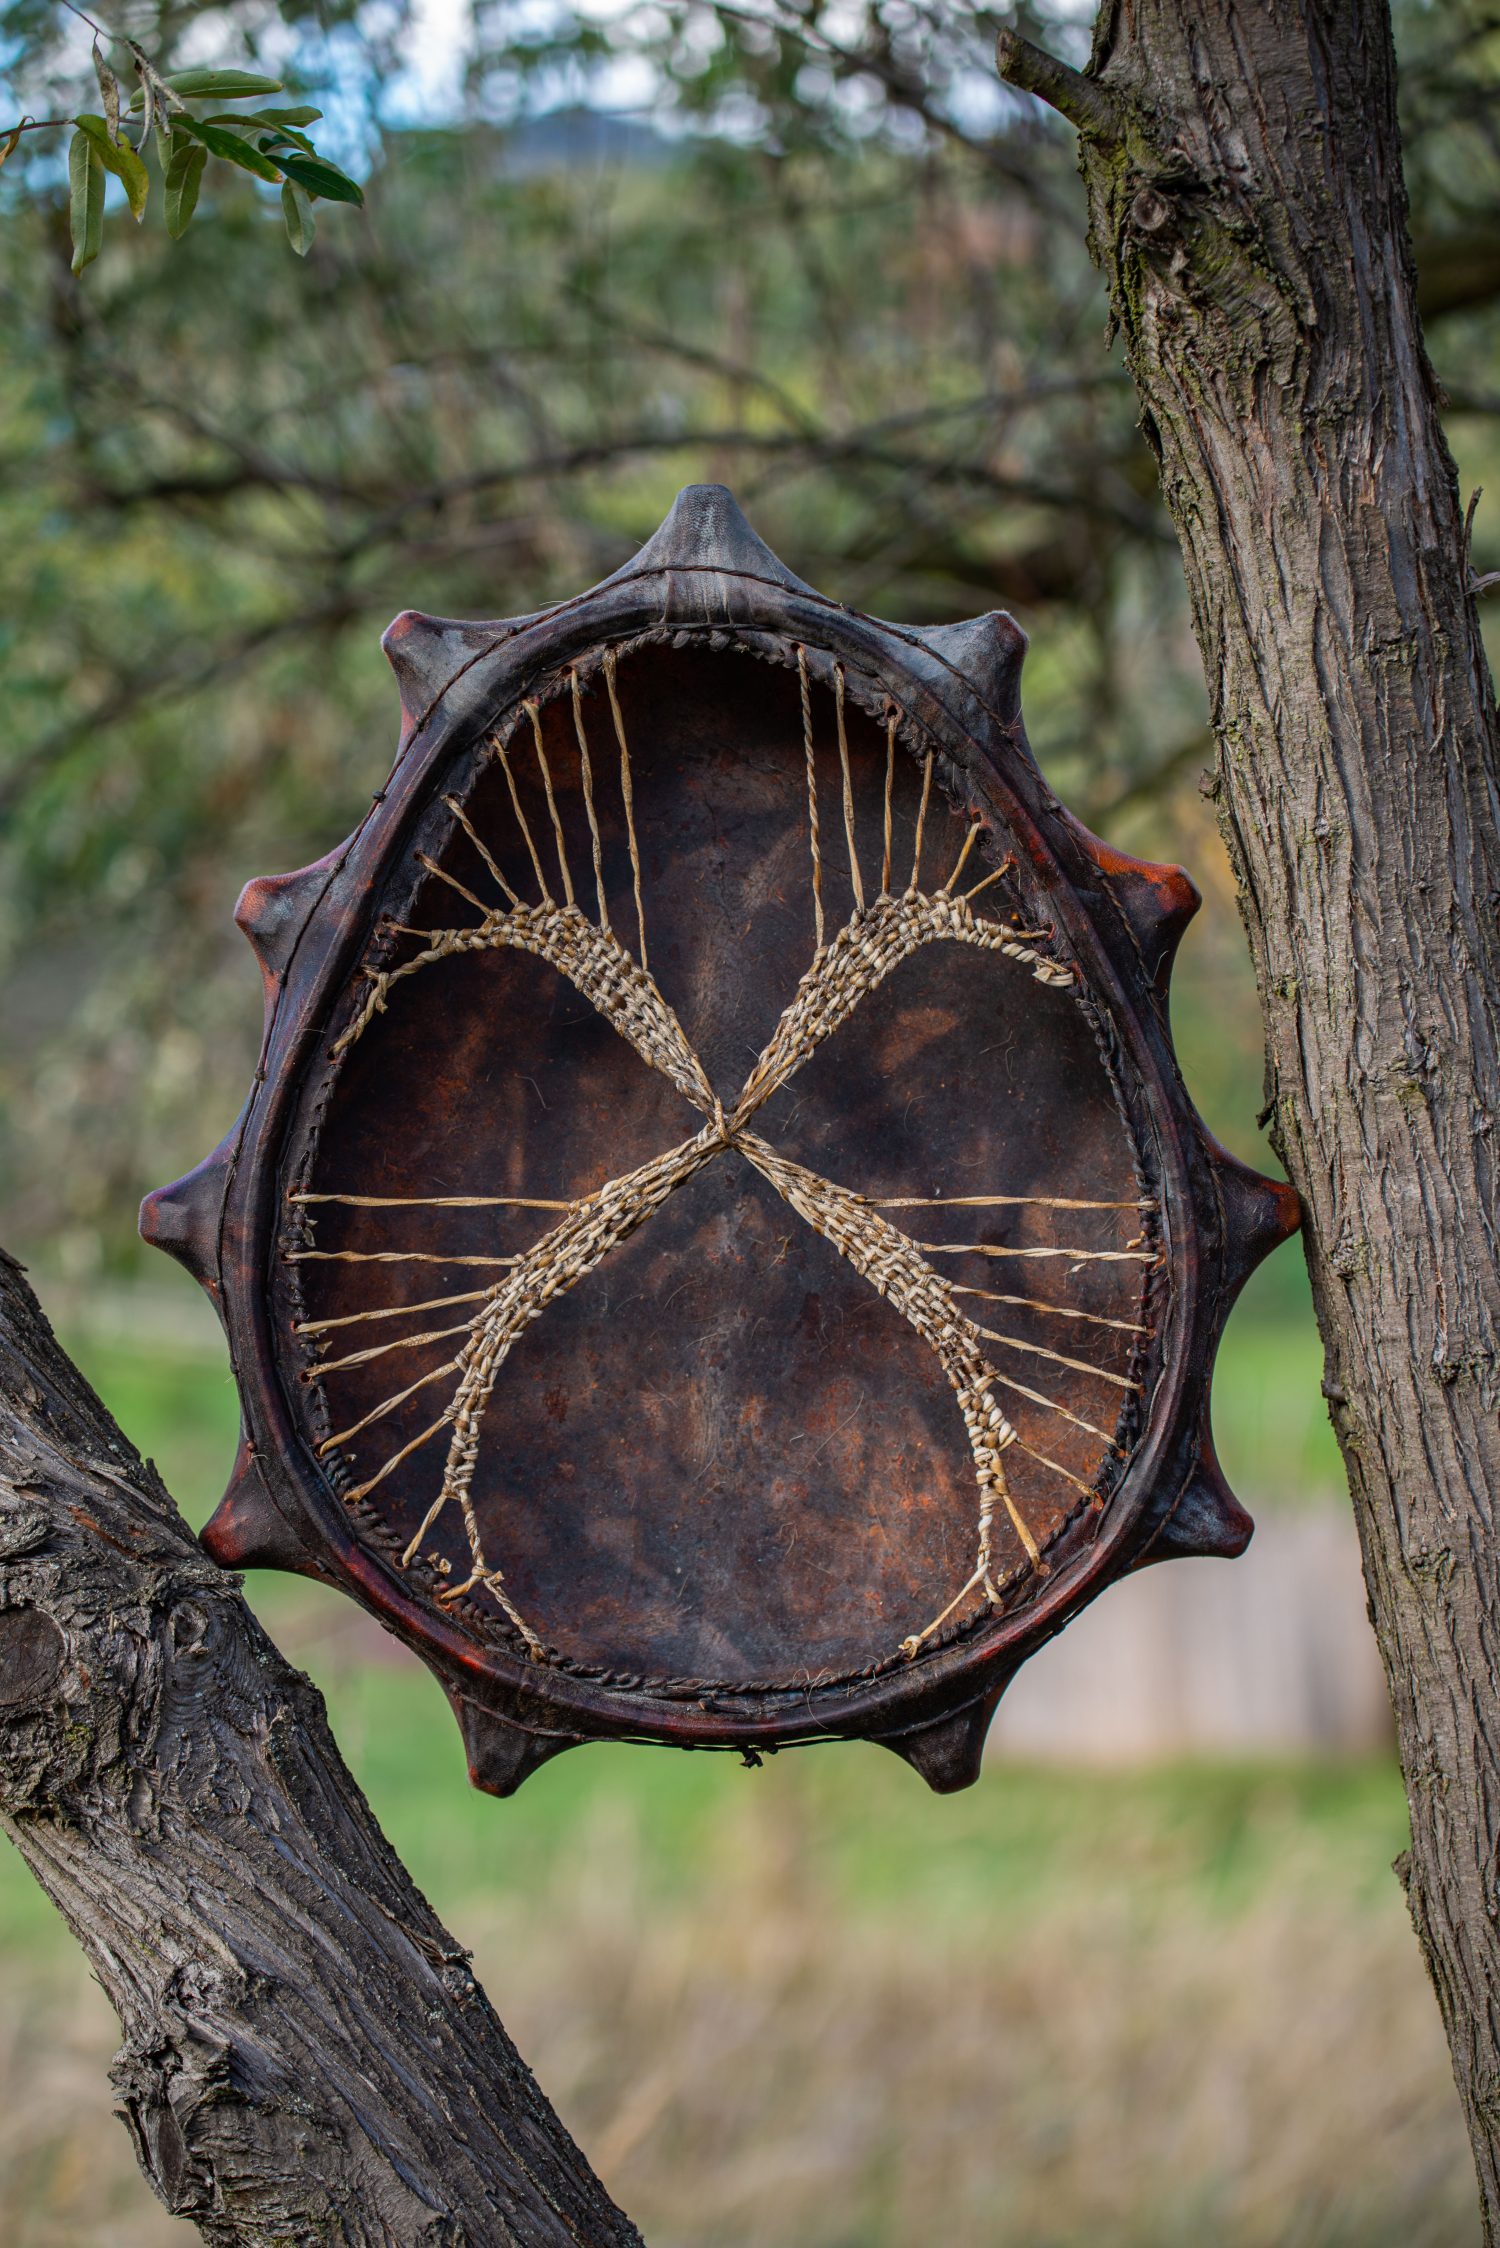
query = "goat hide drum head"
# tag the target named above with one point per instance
(718, 1251)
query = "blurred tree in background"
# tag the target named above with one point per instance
(815, 251)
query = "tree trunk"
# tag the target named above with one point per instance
(307, 2056)
(1244, 176)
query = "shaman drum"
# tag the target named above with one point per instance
(718, 1250)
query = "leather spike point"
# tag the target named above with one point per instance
(1157, 901)
(1259, 1214)
(501, 1754)
(949, 1753)
(987, 652)
(248, 1530)
(273, 910)
(427, 654)
(1207, 1520)
(184, 1218)
(705, 531)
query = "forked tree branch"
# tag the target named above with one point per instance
(307, 2055)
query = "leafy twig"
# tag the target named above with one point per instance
(270, 144)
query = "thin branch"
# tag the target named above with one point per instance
(1083, 102)
(1147, 787)
(903, 87)
(98, 29)
(1141, 520)
(12, 133)
(150, 688)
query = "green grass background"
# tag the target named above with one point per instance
(157, 1360)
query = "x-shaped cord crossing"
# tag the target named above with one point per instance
(878, 936)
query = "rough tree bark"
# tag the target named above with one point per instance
(1244, 177)
(307, 2056)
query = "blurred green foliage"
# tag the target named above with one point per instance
(823, 257)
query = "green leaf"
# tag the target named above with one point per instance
(184, 178)
(85, 200)
(231, 148)
(221, 85)
(263, 137)
(281, 117)
(297, 210)
(320, 177)
(121, 159)
(284, 137)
